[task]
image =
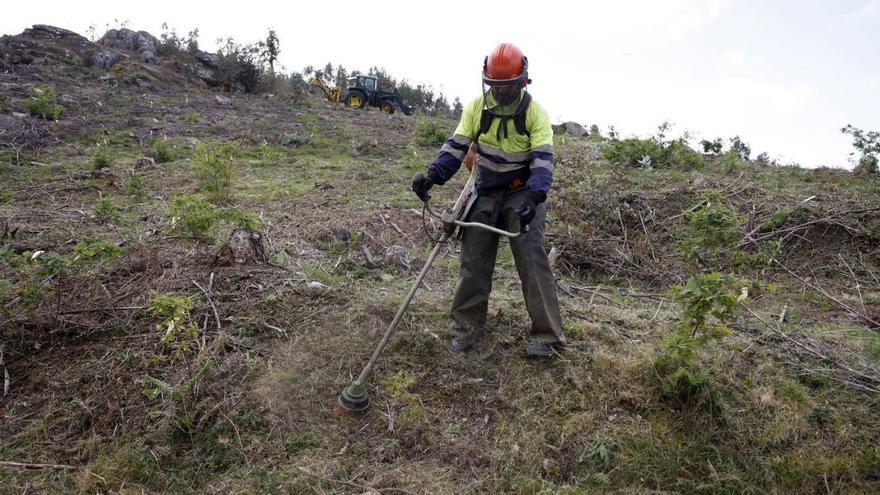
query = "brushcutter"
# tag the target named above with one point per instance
(355, 397)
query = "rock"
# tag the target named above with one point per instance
(575, 129)
(223, 100)
(198, 71)
(143, 43)
(103, 58)
(19, 115)
(44, 30)
(294, 139)
(148, 56)
(144, 163)
(43, 44)
(211, 60)
(341, 234)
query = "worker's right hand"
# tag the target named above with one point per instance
(421, 184)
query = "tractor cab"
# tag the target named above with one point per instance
(365, 90)
(368, 83)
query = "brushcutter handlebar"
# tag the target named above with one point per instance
(450, 219)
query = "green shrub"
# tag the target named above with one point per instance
(215, 168)
(430, 132)
(90, 251)
(642, 152)
(713, 225)
(103, 158)
(5, 106)
(195, 216)
(681, 155)
(732, 161)
(710, 301)
(868, 145)
(176, 327)
(162, 151)
(789, 215)
(42, 103)
(106, 211)
(867, 165)
(134, 184)
(631, 152)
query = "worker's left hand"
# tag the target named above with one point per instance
(528, 208)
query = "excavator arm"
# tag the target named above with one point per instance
(332, 94)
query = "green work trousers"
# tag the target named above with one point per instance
(479, 249)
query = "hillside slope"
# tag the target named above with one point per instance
(146, 354)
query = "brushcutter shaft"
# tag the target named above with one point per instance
(412, 292)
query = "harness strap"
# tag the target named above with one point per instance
(519, 119)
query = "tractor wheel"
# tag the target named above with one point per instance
(356, 99)
(387, 106)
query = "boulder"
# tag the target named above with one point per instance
(147, 56)
(103, 58)
(575, 129)
(200, 72)
(46, 31)
(141, 42)
(211, 60)
(341, 234)
(223, 100)
(144, 163)
(42, 44)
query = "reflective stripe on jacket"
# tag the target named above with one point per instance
(500, 161)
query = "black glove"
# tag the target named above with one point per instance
(421, 184)
(528, 208)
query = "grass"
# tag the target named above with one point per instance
(592, 421)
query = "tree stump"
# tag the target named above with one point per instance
(245, 246)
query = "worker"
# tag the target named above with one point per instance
(514, 159)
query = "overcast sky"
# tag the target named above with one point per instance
(784, 75)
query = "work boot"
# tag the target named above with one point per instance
(465, 341)
(540, 348)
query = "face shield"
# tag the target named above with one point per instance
(505, 91)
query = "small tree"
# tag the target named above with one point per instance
(740, 148)
(713, 147)
(867, 143)
(457, 107)
(270, 50)
(341, 78)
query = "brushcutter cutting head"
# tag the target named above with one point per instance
(355, 398)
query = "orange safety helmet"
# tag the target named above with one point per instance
(505, 66)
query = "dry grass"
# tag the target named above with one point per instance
(250, 406)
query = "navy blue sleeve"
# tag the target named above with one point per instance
(449, 159)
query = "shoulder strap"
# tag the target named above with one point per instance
(519, 119)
